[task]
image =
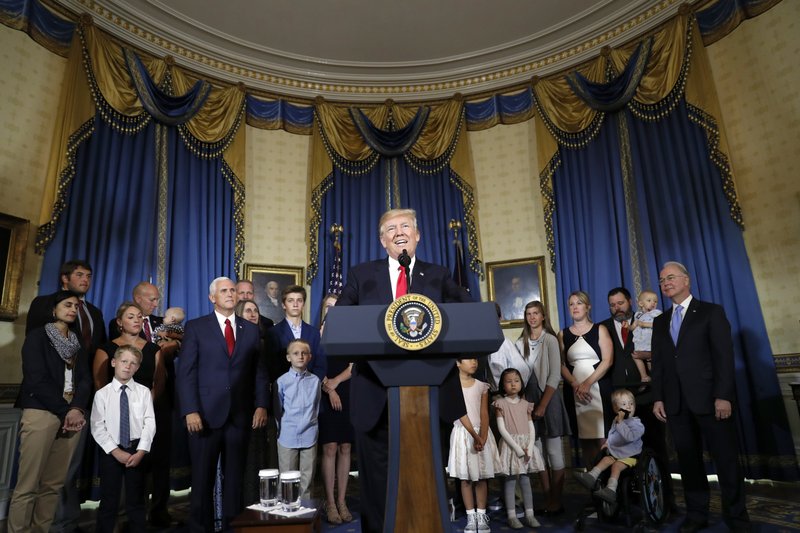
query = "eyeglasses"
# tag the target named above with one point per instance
(671, 278)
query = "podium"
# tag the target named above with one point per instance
(415, 496)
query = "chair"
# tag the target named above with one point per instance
(640, 494)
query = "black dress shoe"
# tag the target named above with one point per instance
(692, 526)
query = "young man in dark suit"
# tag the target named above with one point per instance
(695, 392)
(373, 283)
(222, 391)
(75, 276)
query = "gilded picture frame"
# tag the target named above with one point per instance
(13, 244)
(262, 276)
(512, 284)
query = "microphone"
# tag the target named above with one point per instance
(405, 261)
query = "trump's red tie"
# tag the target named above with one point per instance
(402, 283)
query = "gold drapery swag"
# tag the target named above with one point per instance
(678, 66)
(97, 81)
(336, 137)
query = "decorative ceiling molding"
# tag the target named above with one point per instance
(159, 29)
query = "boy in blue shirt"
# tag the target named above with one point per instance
(299, 393)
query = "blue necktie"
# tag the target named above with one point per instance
(124, 420)
(675, 324)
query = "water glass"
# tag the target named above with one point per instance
(290, 490)
(268, 486)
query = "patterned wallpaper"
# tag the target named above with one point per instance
(29, 89)
(758, 82)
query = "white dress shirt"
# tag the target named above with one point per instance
(222, 318)
(105, 415)
(685, 305)
(394, 274)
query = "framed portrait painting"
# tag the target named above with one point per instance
(13, 243)
(512, 284)
(268, 282)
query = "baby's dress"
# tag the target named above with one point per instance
(516, 417)
(160, 333)
(643, 336)
(464, 462)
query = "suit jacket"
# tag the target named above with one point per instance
(41, 313)
(369, 284)
(700, 368)
(624, 372)
(213, 384)
(279, 337)
(43, 377)
(114, 332)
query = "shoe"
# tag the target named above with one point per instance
(332, 515)
(344, 512)
(483, 523)
(586, 479)
(472, 522)
(531, 521)
(606, 494)
(514, 523)
(692, 526)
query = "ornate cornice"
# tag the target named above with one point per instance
(494, 70)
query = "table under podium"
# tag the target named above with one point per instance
(415, 499)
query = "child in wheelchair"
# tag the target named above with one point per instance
(623, 444)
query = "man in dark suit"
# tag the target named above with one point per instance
(374, 283)
(75, 276)
(695, 392)
(625, 374)
(293, 298)
(222, 390)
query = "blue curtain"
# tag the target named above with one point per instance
(110, 219)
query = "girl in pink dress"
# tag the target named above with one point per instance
(518, 454)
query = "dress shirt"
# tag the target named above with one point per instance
(299, 394)
(222, 318)
(297, 330)
(685, 305)
(618, 327)
(105, 415)
(394, 273)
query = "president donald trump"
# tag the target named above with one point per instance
(222, 387)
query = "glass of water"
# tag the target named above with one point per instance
(268, 486)
(290, 490)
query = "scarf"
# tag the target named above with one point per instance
(66, 347)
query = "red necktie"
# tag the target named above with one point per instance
(148, 333)
(402, 283)
(229, 340)
(86, 328)
(624, 332)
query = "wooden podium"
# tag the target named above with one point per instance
(415, 496)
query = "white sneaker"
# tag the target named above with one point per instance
(472, 522)
(483, 523)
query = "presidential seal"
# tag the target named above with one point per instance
(413, 322)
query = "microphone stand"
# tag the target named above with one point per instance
(405, 261)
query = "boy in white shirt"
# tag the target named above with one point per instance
(123, 411)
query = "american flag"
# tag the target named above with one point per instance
(335, 280)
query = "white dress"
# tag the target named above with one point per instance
(464, 461)
(589, 414)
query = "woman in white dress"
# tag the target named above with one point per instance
(587, 355)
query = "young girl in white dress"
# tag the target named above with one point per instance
(518, 454)
(473, 452)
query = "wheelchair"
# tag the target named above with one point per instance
(640, 495)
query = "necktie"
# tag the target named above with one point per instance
(148, 333)
(675, 323)
(402, 283)
(624, 333)
(124, 419)
(86, 328)
(229, 340)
